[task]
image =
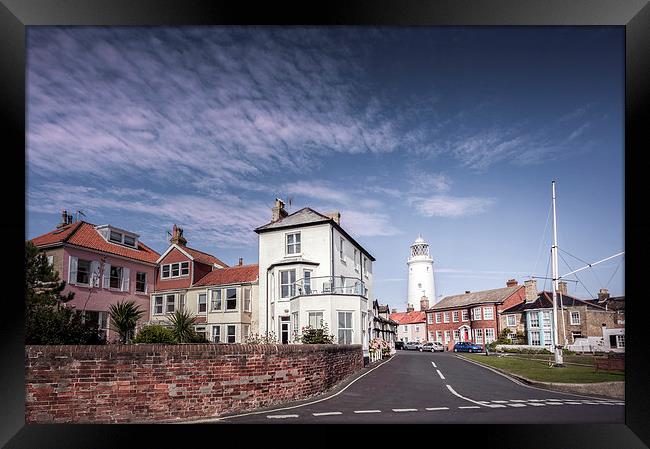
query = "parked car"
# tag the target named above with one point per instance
(467, 346)
(399, 345)
(412, 345)
(433, 347)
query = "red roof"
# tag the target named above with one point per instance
(86, 236)
(200, 256)
(231, 275)
(409, 317)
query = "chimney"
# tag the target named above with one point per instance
(177, 236)
(241, 261)
(512, 283)
(393, 311)
(424, 304)
(409, 308)
(278, 211)
(66, 219)
(467, 292)
(336, 216)
(603, 294)
(561, 288)
(531, 290)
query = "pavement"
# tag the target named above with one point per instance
(422, 387)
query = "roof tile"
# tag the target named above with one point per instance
(230, 275)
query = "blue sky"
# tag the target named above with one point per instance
(455, 133)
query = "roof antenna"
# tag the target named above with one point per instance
(289, 202)
(79, 212)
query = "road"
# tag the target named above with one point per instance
(420, 387)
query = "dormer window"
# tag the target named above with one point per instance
(115, 237)
(129, 240)
(118, 236)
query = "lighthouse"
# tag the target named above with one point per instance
(420, 275)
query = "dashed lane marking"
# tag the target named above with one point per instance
(501, 402)
(440, 374)
(399, 410)
(436, 408)
(537, 404)
(468, 399)
(367, 411)
(281, 416)
(517, 400)
(469, 406)
(555, 403)
(517, 404)
(434, 365)
(327, 413)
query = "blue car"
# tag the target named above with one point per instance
(466, 346)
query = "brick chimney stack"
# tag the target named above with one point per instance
(241, 261)
(336, 216)
(512, 283)
(393, 311)
(467, 292)
(409, 308)
(603, 294)
(531, 290)
(424, 304)
(561, 288)
(278, 211)
(177, 236)
(66, 219)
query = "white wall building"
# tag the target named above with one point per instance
(420, 273)
(312, 272)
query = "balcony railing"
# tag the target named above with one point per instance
(328, 285)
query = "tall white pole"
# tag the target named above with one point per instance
(557, 346)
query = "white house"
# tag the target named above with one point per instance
(312, 272)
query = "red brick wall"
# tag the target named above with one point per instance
(157, 383)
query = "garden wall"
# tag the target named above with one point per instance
(161, 383)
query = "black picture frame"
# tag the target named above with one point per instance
(15, 15)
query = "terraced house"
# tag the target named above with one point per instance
(102, 265)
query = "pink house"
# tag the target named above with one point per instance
(102, 265)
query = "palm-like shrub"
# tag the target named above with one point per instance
(155, 333)
(123, 318)
(182, 326)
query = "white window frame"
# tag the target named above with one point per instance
(573, 321)
(439, 336)
(511, 320)
(306, 281)
(234, 334)
(535, 316)
(216, 298)
(356, 260)
(205, 302)
(534, 334)
(180, 267)
(489, 315)
(454, 316)
(429, 318)
(167, 303)
(117, 239)
(365, 266)
(476, 314)
(226, 309)
(447, 336)
(489, 335)
(547, 341)
(120, 279)
(217, 334)
(290, 284)
(456, 336)
(546, 318)
(296, 245)
(341, 249)
(438, 317)
(347, 330)
(50, 260)
(620, 341)
(145, 282)
(314, 314)
(445, 317)
(478, 336)
(464, 315)
(162, 305)
(295, 324)
(247, 291)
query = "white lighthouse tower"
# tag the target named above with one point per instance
(420, 269)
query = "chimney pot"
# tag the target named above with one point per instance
(511, 283)
(409, 308)
(603, 294)
(394, 311)
(64, 219)
(467, 291)
(241, 261)
(177, 236)
(336, 216)
(562, 288)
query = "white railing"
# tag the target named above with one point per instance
(375, 356)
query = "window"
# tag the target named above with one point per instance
(511, 320)
(200, 331)
(158, 305)
(181, 302)
(140, 282)
(203, 303)
(546, 318)
(174, 270)
(287, 283)
(488, 313)
(306, 281)
(438, 317)
(129, 240)
(439, 336)
(170, 304)
(345, 328)
(293, 243)
(316, 320)
(534, 338)
(456, 336)
(231, 333)
(455, 316)
(116, 277)
(216, 300)
(465, 315)
(575, 335)
(406, 328)
(247, 299)
(341, 255)
(294, 321)
(478, 335)
(356, 260)
(534, 320)
(185, 268)
(575, 317)
(246, 329)
(620, 341)
(115, 237)
(547, 338)
(365, 266)
(489, 335)
(83, 272)
(447, 336)
(231, 299)
(446, 317)
(429, 318)
(50, 260)
(216, 334)
(165, 271)
(476, 313)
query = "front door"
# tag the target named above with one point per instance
(284, 329)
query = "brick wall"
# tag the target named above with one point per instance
(157, 383)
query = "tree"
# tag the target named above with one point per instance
(311, 335)
(182, 324)
(47, 319)
(124, 316)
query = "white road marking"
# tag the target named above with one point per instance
(367, 411)
(555, 403)
(436, 408)
(468, 399)
(517, 400)
(537, 404)
(517, 405)
(535, 400)
(440, 374)
(470, 406)
(434, 365)
(281, 416)
(327, 413)
(501, 402)
(399, 410)
(495, 406)
(573, 403)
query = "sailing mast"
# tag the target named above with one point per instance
(557, 346)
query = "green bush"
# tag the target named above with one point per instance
(316, 336)
(155, 333)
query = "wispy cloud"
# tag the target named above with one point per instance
(450, 206)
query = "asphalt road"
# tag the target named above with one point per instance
(417, 387)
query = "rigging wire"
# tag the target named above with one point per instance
(546, 275)
(574, 274)
(539, 249)
(591, 270)
(612, 276)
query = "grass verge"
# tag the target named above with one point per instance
(540, 371)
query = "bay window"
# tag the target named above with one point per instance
(316, 320)
(287, 283)
(216, 300)
(345, 328)
(170, 304)
(231, 299)
(158, 305)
